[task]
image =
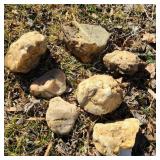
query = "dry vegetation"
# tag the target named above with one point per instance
(26, 135)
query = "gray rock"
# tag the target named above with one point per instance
(61, 116)
(85, 41)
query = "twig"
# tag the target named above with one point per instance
(36, 119)
(48, 149)
(13, 109)
(147, 14)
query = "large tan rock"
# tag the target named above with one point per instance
(123, 62)
(24, 54)
(61, 116)
(110, 138)
(50, 84)
(99, 94)
(85, 41)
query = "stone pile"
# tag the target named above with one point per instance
(98, 95)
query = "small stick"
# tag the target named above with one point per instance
(48, 149)
(36, 119)
(13, 109)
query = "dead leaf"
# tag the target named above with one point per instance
(149, 37)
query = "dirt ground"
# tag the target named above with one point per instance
(27, 135)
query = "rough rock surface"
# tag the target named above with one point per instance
(50, 84)
(110, 138)
(84, 40)
(123, 62)
(24, 54)
(99, 94)
(61, 115)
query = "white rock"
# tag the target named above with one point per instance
(61, 116)
(99, 94)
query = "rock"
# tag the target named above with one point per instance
(151, 68)
(24, 54)
(149, 37)
(50, 84)
(111, 138)
(123, 62)
(99, 94)
(61, 115)
(85, 41)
